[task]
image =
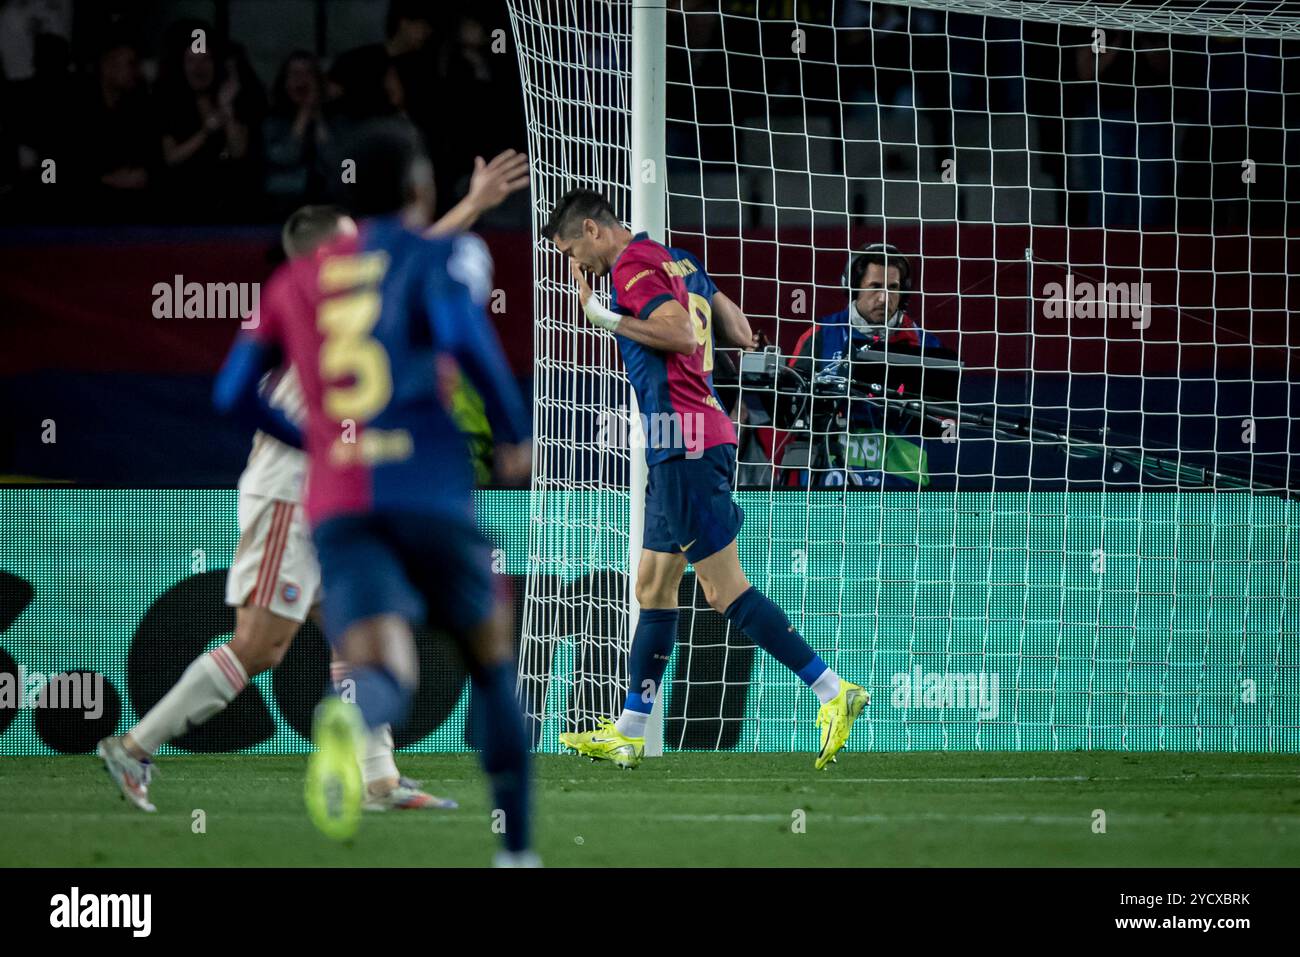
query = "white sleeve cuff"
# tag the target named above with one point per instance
(599, 316)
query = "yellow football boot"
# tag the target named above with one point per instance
(836, 719)
(334, 791)
(606, 744)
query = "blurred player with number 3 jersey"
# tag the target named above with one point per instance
(274, 579)
(273, 584)
(389, 480)
(662, 314)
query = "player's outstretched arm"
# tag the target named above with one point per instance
(730, 320)
(668, 327)
(489, 186)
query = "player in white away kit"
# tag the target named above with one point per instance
(275, 580)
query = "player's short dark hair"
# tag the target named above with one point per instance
(575, 206)
(308, 227)
(387, 160)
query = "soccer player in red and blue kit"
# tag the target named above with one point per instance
(661, 313)
(389, 478)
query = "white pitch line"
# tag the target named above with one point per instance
(1074, 820)
(832, 778)
(1078, 778)
(868, 818)
(473, 818)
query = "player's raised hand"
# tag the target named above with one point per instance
(584, 288)
(491, 182)
(596, 314)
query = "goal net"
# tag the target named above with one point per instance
(1046, 500)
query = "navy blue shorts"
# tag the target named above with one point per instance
(425, 568)
(689, 507)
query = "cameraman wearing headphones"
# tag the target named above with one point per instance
(856, 442)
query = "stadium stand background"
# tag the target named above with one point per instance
(82, 348)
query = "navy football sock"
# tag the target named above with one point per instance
(380, 696)
(652, 645)
(505, 751)
(768, 627)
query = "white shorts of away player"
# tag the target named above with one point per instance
(275, 564)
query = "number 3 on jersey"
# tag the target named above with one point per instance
(703, 332)
(349, 350)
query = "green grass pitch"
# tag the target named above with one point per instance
(689, 809)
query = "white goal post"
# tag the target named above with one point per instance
(649, 213)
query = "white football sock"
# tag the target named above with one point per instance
(631, 724)
(516, 859)
(827, 686)
(377, 762)
(209, 684)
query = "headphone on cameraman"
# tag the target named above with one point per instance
(887, 253)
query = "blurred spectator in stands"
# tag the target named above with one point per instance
(8, 147)
(295, 133)
(121, 155)
(1228, 110)
(21, 23)
(477, 66)
(853, 37)
(250, 99)
(1121, 130)
(366, 93)
(694, 45)
(856, 442)
(33, 40)
(936, 81)
(364, 84)
(43, 108)
(208, 104)
(892, 55)
(468, 58)
(873, 48)
(987, 62)
(410, 26)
